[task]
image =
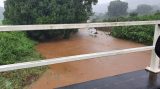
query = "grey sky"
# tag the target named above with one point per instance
(1, 3)
(102, 5)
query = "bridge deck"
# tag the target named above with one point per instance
(134, 80)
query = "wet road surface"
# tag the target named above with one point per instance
(64, 74)
(133, 80)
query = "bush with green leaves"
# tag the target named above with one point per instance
(15, 47)
(141, 34)
(24, 12)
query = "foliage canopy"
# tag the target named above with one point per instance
(22, 12)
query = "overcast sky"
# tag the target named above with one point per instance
(102, 5)
(1, 3)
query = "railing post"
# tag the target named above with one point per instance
(154, 65)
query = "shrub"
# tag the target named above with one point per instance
(49, 34)
(141, 34)
(16, 47)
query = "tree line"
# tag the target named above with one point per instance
(24, 12)
(118, 8)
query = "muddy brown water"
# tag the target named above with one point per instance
(64, 74)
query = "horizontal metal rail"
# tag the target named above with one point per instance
(10, 67)
(154, 66)
(73, 26)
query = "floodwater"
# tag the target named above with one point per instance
(64, 74)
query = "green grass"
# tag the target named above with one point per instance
(20, 78)
(15, 47)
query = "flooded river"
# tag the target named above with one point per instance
(80, 71)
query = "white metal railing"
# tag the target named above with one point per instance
(154, 65)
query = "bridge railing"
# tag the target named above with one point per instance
(153, 67)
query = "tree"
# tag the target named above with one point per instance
(117, 8)
(22, 12)
(144, 9)
(133, 14)
(1, 13)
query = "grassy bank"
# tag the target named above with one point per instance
(15, 47)
(140, 34)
